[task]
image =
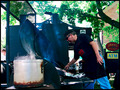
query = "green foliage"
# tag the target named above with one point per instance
(114, 32)
(12, 19)
(43, 6)
(117, 10)
(3, 16)
(17, 8)
(84, 10)
(3, 42)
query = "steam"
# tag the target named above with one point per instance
(30, 56)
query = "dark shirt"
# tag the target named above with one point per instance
(82, 48)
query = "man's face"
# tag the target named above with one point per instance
(70, 38)
(4, 52)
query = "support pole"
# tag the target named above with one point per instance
(35, 19)
(7, 43)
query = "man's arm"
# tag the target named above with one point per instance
(70, 63)
(99, 58)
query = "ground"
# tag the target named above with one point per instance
(111, 80)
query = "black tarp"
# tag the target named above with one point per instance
(48, 43)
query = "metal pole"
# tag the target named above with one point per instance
(7, 42)
(35, 19)
(31, 6)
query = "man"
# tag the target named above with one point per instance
(3, 65)
(93, 61)
(3, 54)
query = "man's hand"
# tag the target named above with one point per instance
(99, 59)
(67, 67)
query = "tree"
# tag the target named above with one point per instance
(73, 10)
(43, 6)
(105, 17)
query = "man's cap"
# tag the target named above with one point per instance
(3, 49)
(68, 32)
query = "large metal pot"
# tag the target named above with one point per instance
(28, 73)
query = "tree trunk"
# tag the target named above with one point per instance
(105, 18)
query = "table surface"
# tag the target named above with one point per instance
(76, 80)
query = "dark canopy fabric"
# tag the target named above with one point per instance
(27, 35)
(43, 43)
